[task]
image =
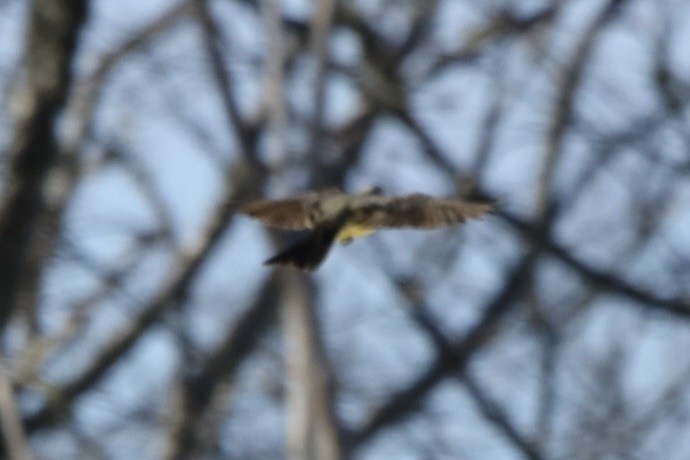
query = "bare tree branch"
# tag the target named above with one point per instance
(238, 125)
(200, 389)
(403, 403)
(52, 41)
(178, 282)
(14, 438)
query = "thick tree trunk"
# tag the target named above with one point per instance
(311, 431)
(51, 42)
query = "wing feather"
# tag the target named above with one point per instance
(295, 213)
(417, 211)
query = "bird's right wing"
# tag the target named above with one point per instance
(295, 213)
(417, 211)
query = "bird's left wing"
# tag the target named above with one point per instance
(416, 211)
(295, 213)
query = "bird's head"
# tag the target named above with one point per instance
(372, 190)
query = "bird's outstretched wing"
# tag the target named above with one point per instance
(417, 211)
(295, 213)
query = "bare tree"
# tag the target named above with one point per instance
(138, 321)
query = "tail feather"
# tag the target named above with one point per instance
(308, 253)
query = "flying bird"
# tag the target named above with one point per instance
(332, 215)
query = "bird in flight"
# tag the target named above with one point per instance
(332, 215)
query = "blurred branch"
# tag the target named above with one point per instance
(14, 439)
(429, 147)
(675, 92)
(51, 45)
(320, 34)
(244, 133)
(489, 408)
(567, 84)
(273, 89)
(504, 26)
(179, 280)
(451, 360)
(493, 412)
(27, 366)
(550, 356)
(91, 86)
(201, 388)
(607, 281)
(144, 181)
(80, 109)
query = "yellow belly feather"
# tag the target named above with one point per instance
(352, 231)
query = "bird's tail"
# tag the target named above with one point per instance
(308, 253)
